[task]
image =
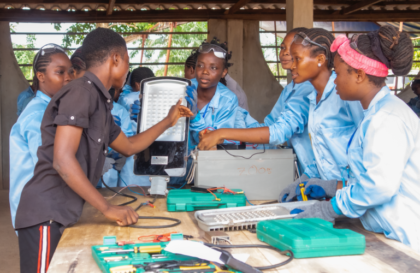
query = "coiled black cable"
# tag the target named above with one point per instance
(177, 222)
(258, 246)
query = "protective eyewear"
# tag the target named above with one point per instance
(217, 50)
(48, 48)
(302, 39)
(353, 43)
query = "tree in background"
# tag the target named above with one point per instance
(151, 40)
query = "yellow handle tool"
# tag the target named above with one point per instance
(302, 192)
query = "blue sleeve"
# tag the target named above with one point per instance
(244, 120)
(126, 123)
(294, 117)
(31, 131)
(380, 164)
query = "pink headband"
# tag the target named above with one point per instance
(357, 60)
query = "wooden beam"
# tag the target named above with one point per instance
(110, 7)
(236, 6)
(49, 16)
(316, 2)
(360, 5)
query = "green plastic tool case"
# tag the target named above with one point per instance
(136, 259)
(309, 238)
(185, 200)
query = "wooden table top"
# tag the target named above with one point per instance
(73, 253)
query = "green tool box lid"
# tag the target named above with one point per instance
(185, 200)
(312, 237)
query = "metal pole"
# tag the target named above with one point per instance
(168, 52)
(142, 46)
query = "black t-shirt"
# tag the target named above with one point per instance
(83, 103)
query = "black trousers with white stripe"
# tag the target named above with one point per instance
(37, 245)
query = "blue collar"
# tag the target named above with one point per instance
(214, 102)
(42, 96)
(380, 95)
(329, 88)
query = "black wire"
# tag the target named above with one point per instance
(240, 155)
(258, 246)
(177, 222)
(269, 202)
(119, 193)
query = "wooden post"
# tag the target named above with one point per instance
(168, 52)
(277, 55)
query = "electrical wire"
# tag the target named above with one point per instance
(248, 201)
(240, 155)
(285, 252)
(119, 193)
(177, 222)
(128, 186)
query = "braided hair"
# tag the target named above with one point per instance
(192, 59)
(324, 38)
(216, 41)
(41, 66)
(297, 30)
(396, 47)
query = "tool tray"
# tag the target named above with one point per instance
(138, 259)
(185, 200)
(312, 237)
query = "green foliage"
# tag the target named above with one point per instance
(153, 40)
(179, 40)
(416, 54)
(25, 57)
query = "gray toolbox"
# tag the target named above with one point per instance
(261, 177)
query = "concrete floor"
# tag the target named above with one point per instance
(9, 249)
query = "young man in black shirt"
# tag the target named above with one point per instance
(76, 130)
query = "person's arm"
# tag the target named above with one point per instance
(66, 144)
(292, 120)
(209, 139)
(131, 145)
(384, 164)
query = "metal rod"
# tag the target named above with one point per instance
(130, 48)
(168, 52)
(130, 64)
(123, 33)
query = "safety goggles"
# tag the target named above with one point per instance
(302, 39)
(217, 50)
(48, 48)
(353, 43)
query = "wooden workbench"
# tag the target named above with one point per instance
(73, 253)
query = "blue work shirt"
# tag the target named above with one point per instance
(219, 113)
(24, 98)
(128, 96)
(126, 99)
(126, 175)
(25, 138)
(413, 105)
(384, 160)
(288, 121)
(332, 121)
